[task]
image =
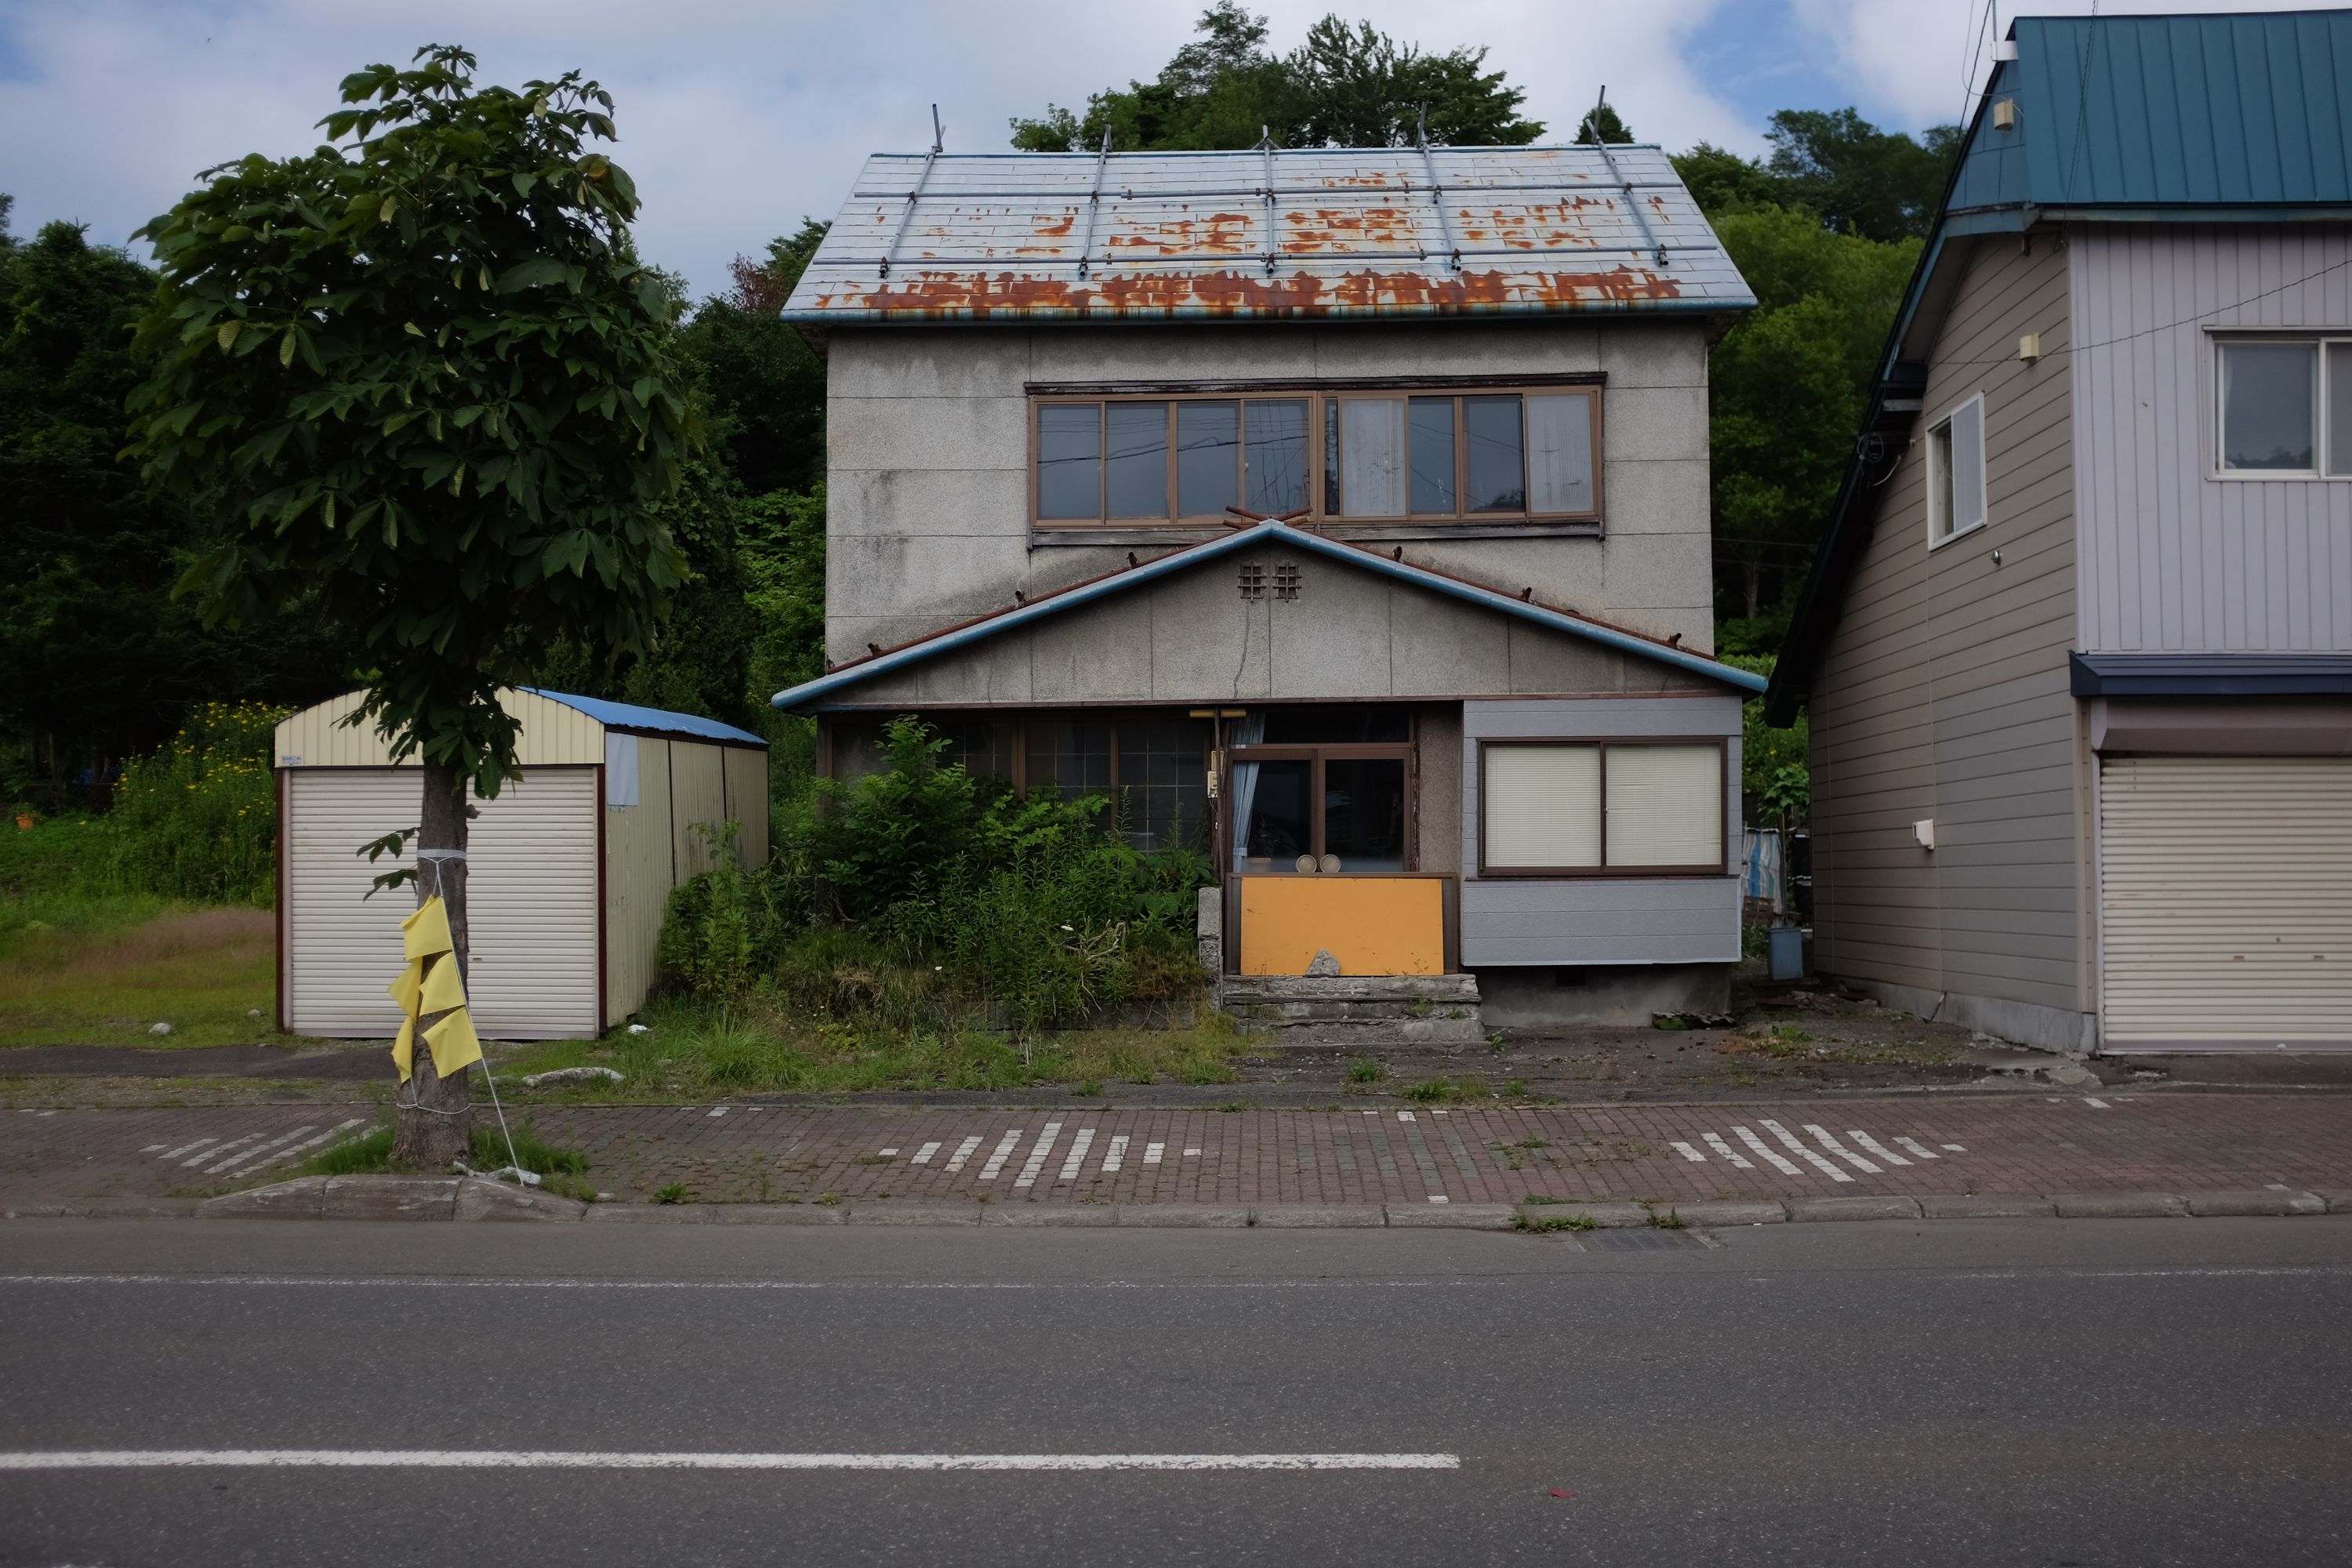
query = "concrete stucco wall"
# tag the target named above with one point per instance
(927, 452)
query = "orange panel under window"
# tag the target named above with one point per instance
(1372, 925)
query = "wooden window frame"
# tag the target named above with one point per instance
(1405, 752)
(1320, 398)
(1604, 871)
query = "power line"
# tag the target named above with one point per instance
(2167, 326)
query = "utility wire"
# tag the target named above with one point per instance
(2167, 326)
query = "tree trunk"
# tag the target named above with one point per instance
(436, 1122)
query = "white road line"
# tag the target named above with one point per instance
(1078, 1147)
(1821, 1137)
(923, 1155)
(1405, 1116)
(1714, 1141)
(1956, 1147)
(1687, 1153)
(1919, 1148)
(187, 1147)
(1798, 1144)
(1876, 1147)
(244, 1154)
(998, 1155)
(297, 1148)
(1767, 1155)
(718, 1110)
(153, 1147)
(1439, 1198)
(1152, 1152)
(964, 1153)
(1191, 1153)
(1037, 1152)
(2095, 1102)
(544, 1459)
(223, 1149)
(1117, 1156)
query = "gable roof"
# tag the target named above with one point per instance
(1267, 234)
(2240, 118)
(809, 694)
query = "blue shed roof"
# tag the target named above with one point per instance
(652, 720)
(2167, 112)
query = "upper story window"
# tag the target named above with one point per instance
(2285, 406)
(1511, 455)
(1955, 472)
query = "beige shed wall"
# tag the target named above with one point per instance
(638, 856)
(746, 803)
(552, 735)
(1943, 693)
(698, 797)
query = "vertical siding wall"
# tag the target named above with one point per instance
(639, 852)
(927, 460)
(2175, 559)
(1943, 693)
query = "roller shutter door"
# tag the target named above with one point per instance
(532, 899)
(2226, 902)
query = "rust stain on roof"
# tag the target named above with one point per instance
(1050, 229)
(951, 295)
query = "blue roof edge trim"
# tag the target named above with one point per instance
(661, 721)
(2209, 674)
(811, 691)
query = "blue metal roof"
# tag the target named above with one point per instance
(810, 693)
(653, 721)
(2165, 112)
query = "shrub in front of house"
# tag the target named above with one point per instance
(198, 819)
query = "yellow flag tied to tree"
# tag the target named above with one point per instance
(431, 985)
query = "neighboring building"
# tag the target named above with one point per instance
(1455, 710)
(2078, 646)
(571, 864)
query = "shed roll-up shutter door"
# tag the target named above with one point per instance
(531, 903)
(2226, 901)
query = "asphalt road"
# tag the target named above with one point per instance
(2096, 1392)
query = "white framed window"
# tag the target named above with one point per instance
(1601, 809)
(1955, 472)
(2283, 407)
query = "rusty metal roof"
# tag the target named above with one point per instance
(1266, 234)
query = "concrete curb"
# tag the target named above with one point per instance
(476, 1199)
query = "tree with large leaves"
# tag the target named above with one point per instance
(421, 378)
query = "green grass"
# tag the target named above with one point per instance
(1549, 1222)
(559, 1166)
(1366, 1069)
(764, 1046)
(103, 969)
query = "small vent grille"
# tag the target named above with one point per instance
(1253, 580)
(1286, 580)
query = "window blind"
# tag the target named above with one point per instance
(1665, 805)
(1542, 805)
(1559, 452)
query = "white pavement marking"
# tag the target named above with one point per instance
(1919, 1148)
(1439, 1198)
(1191, 1153)
(1876, 1147)
(2095, 1102)
(1078, 1147)
(1687, 1153)
(222, 1149)
(1714, 1141)
(923, 1155)
(1405, 1116)
(151, 1148)
(242, 1156)
(1767, 1155)
(1116, 1157)
(1798, 1144)
(1821, 1137)
(1037, 1152)
(964, 1153)
(543, 1459)
(188, 1148)
(297, 1148)
(718, 1110)
(1956, 1147)
(886, 1151)
(1152, 1152)
(998, 1155)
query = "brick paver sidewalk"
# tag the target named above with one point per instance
(1902, 1145)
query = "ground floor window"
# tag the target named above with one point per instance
(1306, 809)
(1571, 808)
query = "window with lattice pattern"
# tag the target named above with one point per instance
(1253, 580)
(1286, 580)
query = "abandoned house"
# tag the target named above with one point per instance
(2078, 646)
(1343, 513)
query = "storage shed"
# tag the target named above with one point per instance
(570, 864)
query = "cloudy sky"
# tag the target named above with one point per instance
(739, 116)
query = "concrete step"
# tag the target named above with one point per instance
(1432, 1009)
(1401, 988)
